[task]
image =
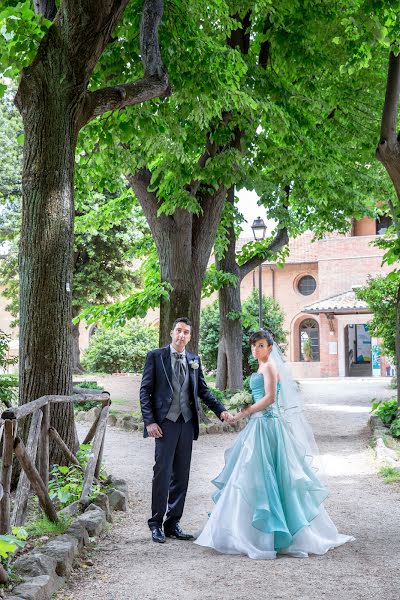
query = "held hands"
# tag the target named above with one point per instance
(241, 415)
(154, 430)
(226, 416)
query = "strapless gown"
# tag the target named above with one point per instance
(269, 498)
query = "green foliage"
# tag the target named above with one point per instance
(8, 388)
(121, 350)
(390, 474)
(307, 349)
(65, 485)
(5, 340)
(219, 395)
(386, 410)
(88, 385)
(43, 526)
(9, 543)
(395, 428)
(380, 293)
(209, 329)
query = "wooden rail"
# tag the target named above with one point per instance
(37, 446)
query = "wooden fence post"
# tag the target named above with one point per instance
(22, 493)
(70, 456)
(9, 428)
(35, 479)
(91, 466)
(44, 446)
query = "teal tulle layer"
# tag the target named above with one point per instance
(273, 477)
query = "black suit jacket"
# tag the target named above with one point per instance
(156, 389)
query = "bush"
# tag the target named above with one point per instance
(89, 385)
(273, 318)
(121, 350)
(66, 482)
(9, 389)
(386, 410)
(395, 428)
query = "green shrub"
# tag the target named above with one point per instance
(9, 389)
(273, 318)
(395, 428)
(65, 485)
(121, 350)
(386, 410)
(89, 385)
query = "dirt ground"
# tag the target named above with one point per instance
(129, 566)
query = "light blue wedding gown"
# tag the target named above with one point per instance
(269, 499)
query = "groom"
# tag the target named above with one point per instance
(171, 384)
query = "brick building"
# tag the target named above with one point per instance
(315, 289)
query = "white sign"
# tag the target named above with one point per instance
(332, 347)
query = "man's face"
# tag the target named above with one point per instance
(180, 336)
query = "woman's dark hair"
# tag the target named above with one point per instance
(261, 335)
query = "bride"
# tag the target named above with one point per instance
(269, 498)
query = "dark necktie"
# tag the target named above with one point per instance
(179, 368)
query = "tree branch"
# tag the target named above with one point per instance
(149, 47)
(211, 150)
(46, 8)
(390, 108)
(140, 182)
(281, 239)
(155, 82)
(119, 96)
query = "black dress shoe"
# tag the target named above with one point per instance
(176, 532)
(157, 535)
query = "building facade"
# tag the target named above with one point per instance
(327, 326)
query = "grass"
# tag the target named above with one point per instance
(389, 474)
(43, 526)
(210, 378)
(119, 401)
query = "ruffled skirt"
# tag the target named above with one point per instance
(269, 499)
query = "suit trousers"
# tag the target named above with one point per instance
(173, 454)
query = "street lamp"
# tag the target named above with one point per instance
(259, 231)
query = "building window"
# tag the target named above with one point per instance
(382, 224)
(309, 340)
(306, 285)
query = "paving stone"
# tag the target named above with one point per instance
(39, 588)
(94, 520)
(103, 502)
(35, 564)
(64, 549)
(78, 531)
(118, 500)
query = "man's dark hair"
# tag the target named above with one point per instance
(261, 335)
(181, 320)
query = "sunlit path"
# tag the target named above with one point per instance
(128, 566)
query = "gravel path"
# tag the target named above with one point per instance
(128, 566)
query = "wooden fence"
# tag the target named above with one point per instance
(37, 450)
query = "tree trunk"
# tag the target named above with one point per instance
(398, 346)
(184, 242)
(230, 358)
(185, 273)
(46, 254)
(55, 104)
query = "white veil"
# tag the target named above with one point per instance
(291, 407)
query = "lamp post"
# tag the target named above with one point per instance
(259, 231)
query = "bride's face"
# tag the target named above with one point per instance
(261, 350)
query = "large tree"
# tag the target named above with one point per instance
(56, 101)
